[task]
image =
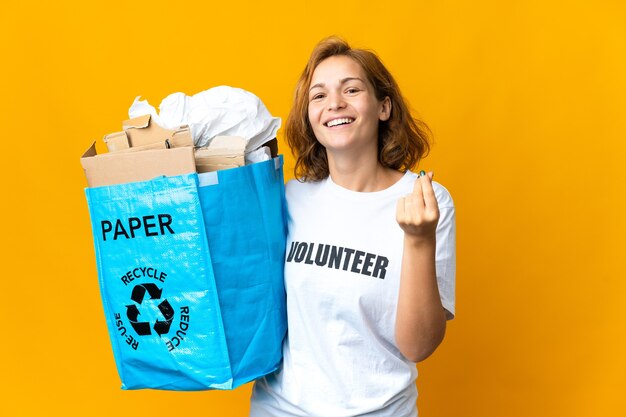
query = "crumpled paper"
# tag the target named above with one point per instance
(218, 111)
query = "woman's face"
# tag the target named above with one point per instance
(343, 109)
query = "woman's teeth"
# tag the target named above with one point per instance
(339, 122)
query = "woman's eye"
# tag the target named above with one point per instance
(317, 96)
(352, 90)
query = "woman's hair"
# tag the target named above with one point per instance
(402, 140)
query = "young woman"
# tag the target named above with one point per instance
(370, 265)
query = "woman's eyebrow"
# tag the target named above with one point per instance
(342, 81)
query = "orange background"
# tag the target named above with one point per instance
(527, 101)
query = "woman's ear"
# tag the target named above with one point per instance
(385, 110)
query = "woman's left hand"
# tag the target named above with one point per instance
(418, 213)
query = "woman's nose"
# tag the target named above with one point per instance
(335, 102)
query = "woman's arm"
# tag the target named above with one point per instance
(421, 319)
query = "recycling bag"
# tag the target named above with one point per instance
(193, 295)
(244, 211)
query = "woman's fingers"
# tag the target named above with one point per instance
(417, 186)
(430, 201)
(418, 213)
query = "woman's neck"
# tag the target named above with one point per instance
(363, 174)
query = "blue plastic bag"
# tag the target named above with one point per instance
(244, 211)
(180, 315)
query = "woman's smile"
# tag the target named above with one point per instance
(342, 121)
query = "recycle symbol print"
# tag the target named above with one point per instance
(142, 328)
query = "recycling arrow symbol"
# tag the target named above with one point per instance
(143, 328)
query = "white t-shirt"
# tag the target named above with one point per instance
(342, 275)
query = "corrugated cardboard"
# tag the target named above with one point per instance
(222, 153)
(117, 141)
(156, 145)
(122, 167)
(145, 150)
(141, 131)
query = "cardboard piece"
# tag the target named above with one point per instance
(145, 150)
(122, 167)
(223, 152)
(141, 131)
(117, 141)
(156, 145)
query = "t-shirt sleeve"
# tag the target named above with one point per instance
(445, 257)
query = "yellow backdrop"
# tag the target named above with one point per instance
(527, 101)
